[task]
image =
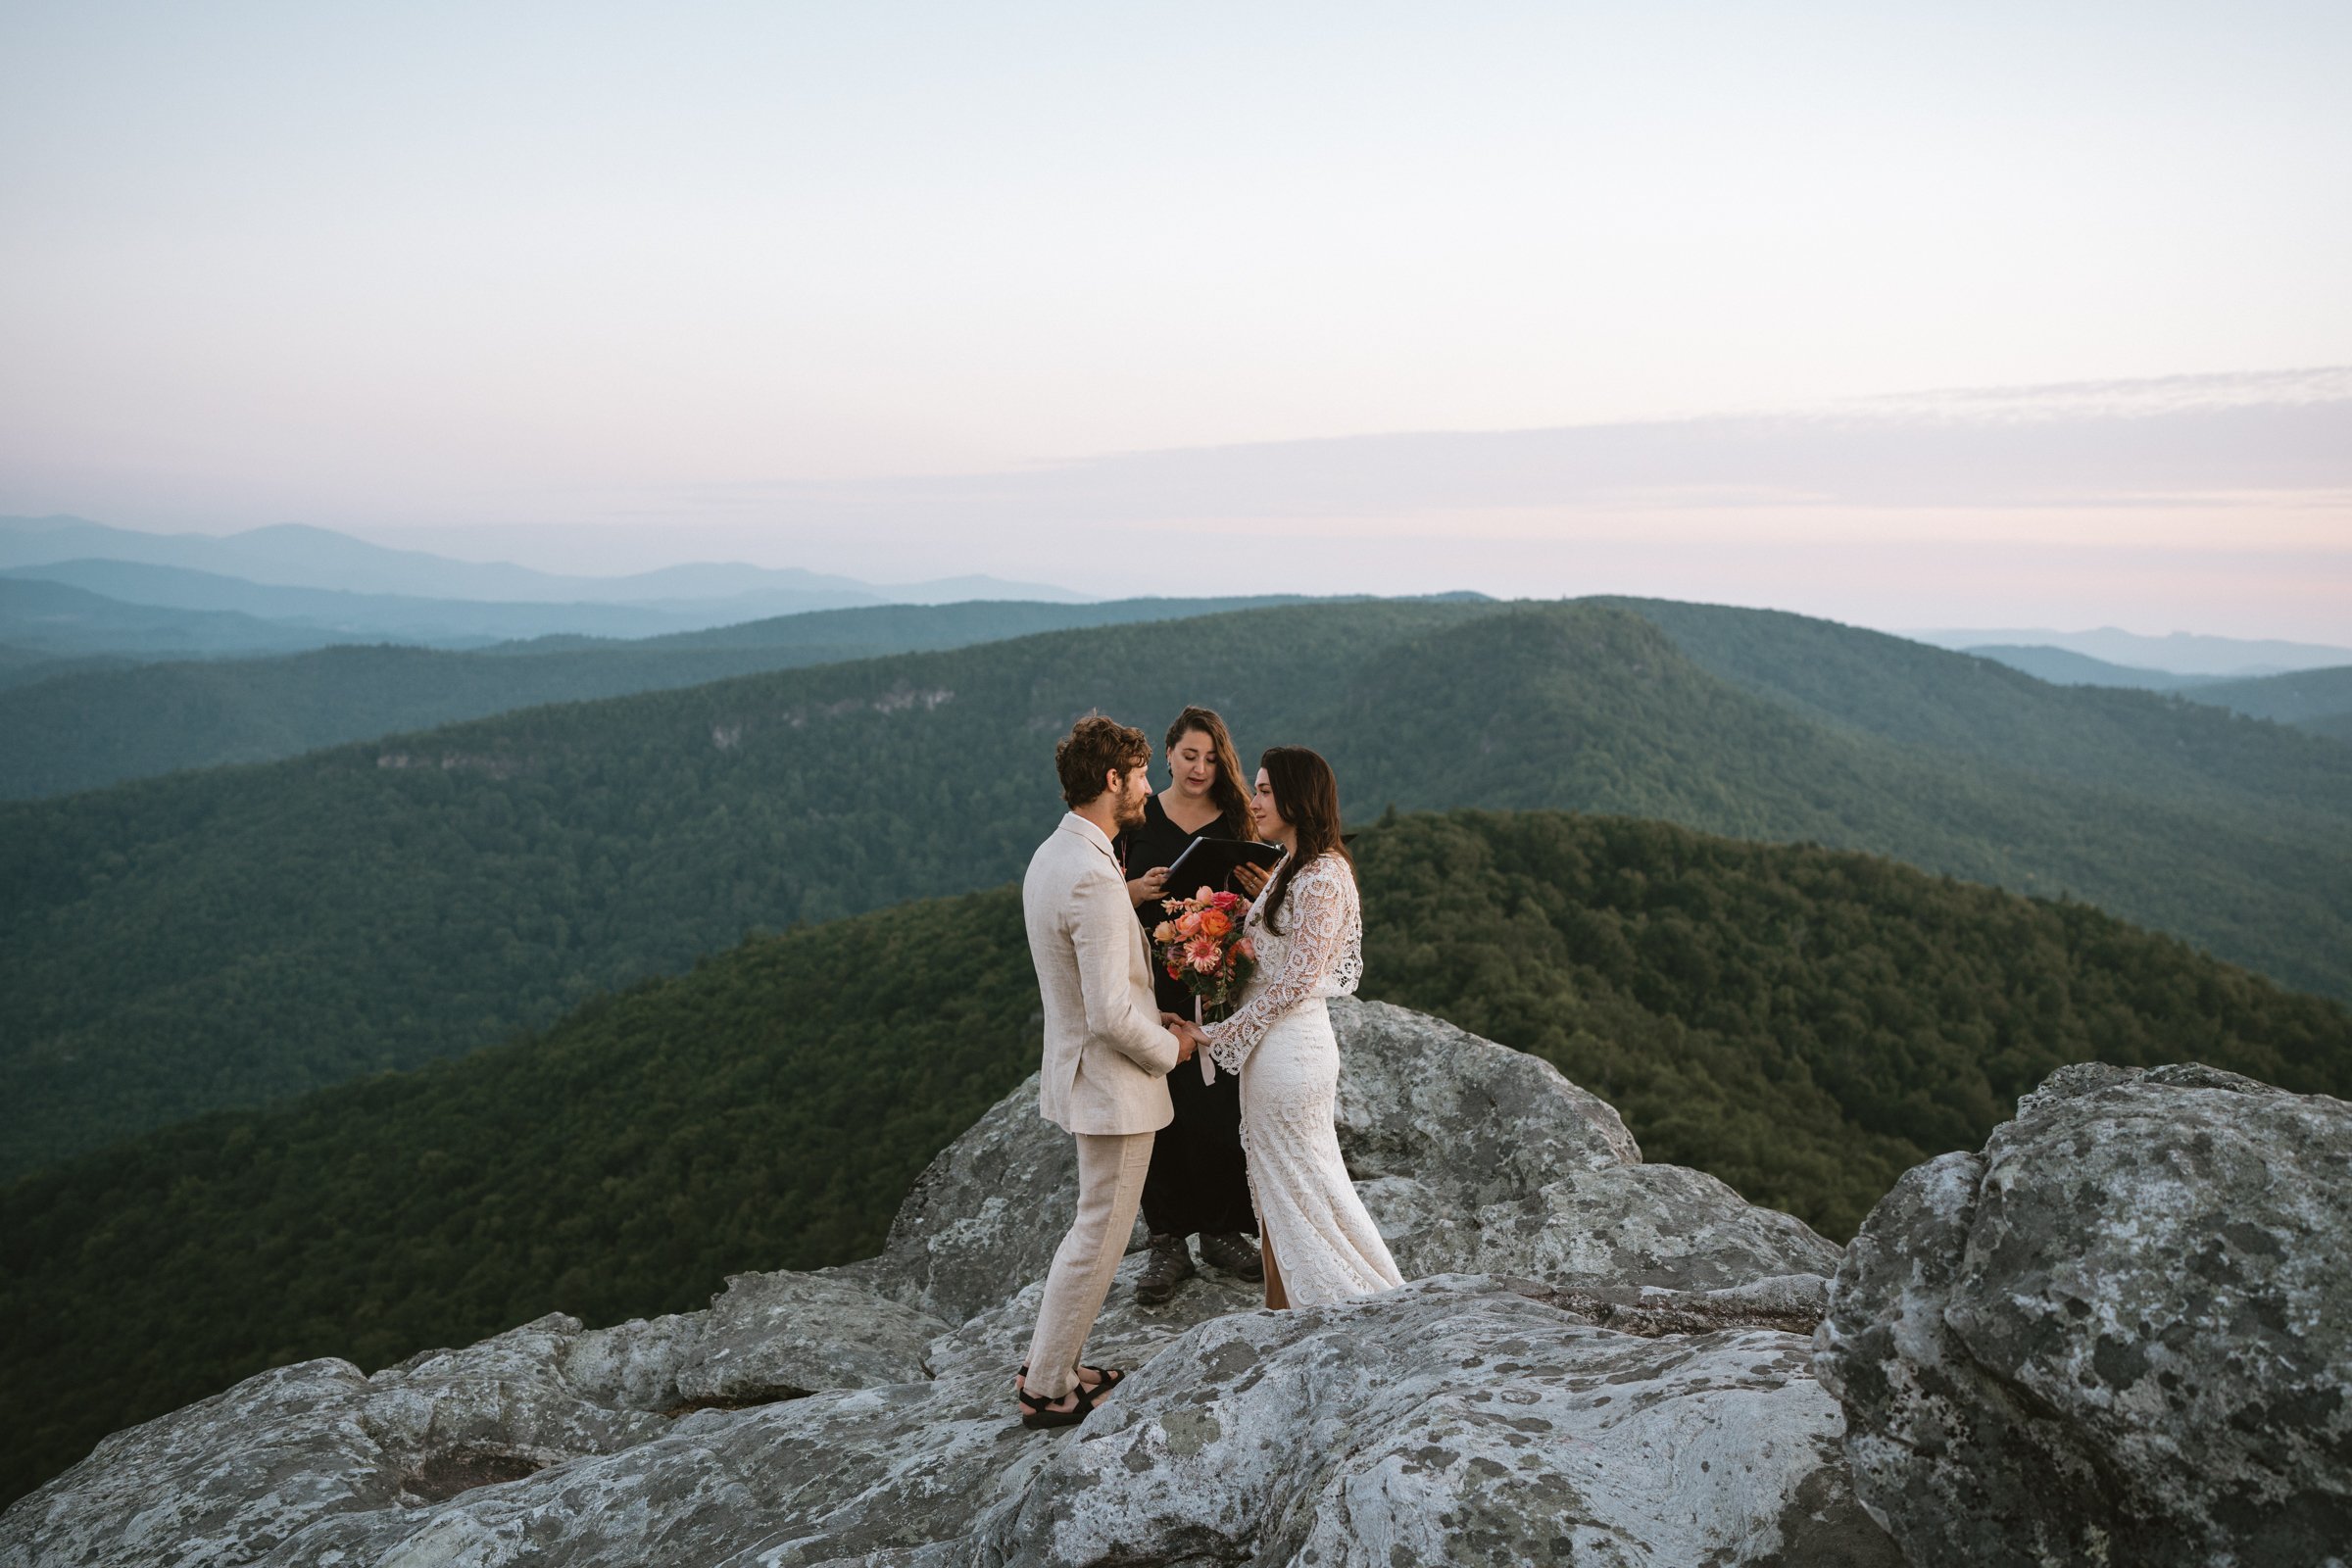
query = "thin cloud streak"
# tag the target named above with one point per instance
(2031, 448)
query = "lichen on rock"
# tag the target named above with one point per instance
(2122, 1333)
(1599, 1368)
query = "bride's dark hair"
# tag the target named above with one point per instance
(1231, 800)
(1309, 798)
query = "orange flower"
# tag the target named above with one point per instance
(1215, 924)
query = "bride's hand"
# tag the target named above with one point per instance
(1150, 885)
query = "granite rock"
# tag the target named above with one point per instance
(1450, 1421)
(2119, 1335)
(1626, 1390)
(1471, 1157)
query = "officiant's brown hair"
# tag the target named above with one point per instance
(1307, 795)
(1094, 746)
(1231, 798)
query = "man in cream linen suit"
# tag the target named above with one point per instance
(1107, 1048)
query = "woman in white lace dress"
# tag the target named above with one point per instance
(1307, 931)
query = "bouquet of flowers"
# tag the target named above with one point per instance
(1200, 943)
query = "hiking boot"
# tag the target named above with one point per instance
(1170, 1263)
(1231, 1252)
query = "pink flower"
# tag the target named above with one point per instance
(1164, 932)
(1204, 896)
(1203, 954)
(1246, 947)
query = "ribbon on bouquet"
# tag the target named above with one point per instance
(1208, 1067)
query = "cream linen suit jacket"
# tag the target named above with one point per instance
(1106, 1057)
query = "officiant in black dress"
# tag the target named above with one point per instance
(1198, 1184)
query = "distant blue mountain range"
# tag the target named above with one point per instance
(294, 556)
(2180, 653)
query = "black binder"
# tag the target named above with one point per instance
(1207, 862)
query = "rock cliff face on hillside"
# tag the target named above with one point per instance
(1602, 1361)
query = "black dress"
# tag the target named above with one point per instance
(1198, 1184)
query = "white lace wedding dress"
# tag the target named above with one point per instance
(1325, 1246)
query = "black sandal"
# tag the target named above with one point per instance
(1039, 1414)
(1107, 1378)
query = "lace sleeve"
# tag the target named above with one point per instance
(1322, 955)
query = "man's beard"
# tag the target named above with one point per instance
(1130, 810)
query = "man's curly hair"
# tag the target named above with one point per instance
(1094, 746)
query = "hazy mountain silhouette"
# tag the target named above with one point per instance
(2178, 653)
(49, 620)
(360, 616)
(2062, 666)
(297, 556)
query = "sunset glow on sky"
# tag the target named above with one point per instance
(1919, 316)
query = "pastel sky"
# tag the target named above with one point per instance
(1913, 315)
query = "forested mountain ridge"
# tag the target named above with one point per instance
(56, 621)
(2062, 666)
(917, 628)
(2302, 696)
(87, 729)
(1804, 1023)
(2318, 700)
(2165, 745)
(227, 937)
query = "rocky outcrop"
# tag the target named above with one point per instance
(767, 1337)
(1461, 1423)
(1471, 1157)
(2120, 1335)
(1599, 1368)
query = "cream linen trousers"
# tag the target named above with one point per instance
(1110, 1186)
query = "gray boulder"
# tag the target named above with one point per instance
(2122, 1333)
(1629, 1390)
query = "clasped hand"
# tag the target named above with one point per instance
(1189, 1037)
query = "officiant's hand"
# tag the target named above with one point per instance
(1150, 885)
(1252, 879)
